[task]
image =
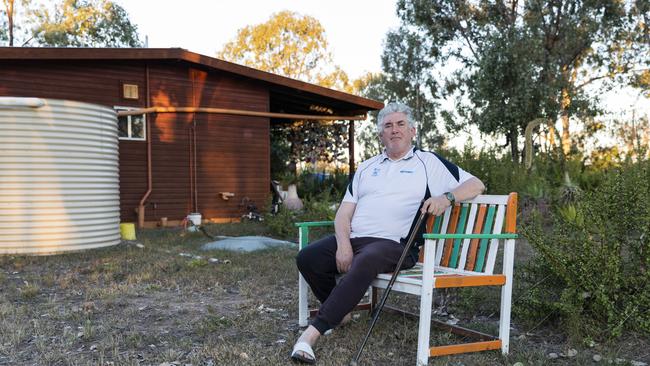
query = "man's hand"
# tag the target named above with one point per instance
(436, 205)
(343, 258)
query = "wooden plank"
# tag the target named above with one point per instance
(433, 226)
(464, 348)
(480, 259)
(473, 247)
(453, 222)
(440, 243)
(511, 214)
(447, 281)
(489, 200)
(456, 329)
(494, 243)
(462, 221)
(470, 227)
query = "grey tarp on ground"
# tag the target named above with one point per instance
(246, 243)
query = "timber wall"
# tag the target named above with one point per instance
(232, 152)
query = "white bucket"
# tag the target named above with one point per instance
(195, 219)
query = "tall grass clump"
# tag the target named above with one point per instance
(593, 257)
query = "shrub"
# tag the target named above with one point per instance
(316, 209)
(596, 257)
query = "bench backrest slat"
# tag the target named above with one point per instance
(483, 244)
(485, 214)
(443, 229)
(453, 261)
(473, 246)
(453, 224)
(494, 243)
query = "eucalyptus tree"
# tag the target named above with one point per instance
(67, 23)
(407, 68)
(295, 46)
(85, 23)
(518, 60)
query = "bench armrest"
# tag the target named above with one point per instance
(314, 223)
(470, 236)
(303, 230)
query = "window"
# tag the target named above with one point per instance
(131, 127)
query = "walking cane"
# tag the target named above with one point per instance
(384, 296)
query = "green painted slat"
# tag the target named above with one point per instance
(436, 224)
(314, 223)
(471, 236)
(304, 236)
(459, 230)
(482, 249)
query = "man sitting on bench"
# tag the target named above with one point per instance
(373, 221)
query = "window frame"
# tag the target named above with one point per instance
(129, 125)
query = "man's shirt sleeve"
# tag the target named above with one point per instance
(352, 191)
(446, 176)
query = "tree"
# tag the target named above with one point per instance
(548, 49)
(9, 12)
(85, 23)
(373, 86)
(288, 44)
(407, 66)
(295, 46)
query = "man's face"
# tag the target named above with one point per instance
(396, 134)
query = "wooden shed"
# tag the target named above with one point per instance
(172, 164)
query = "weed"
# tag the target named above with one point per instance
(30, 291)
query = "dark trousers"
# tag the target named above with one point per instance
(317, 264)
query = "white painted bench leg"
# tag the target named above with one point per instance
(506, 295)
(303, 309)
(303, 288)
(426, 300)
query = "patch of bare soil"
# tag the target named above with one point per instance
(155, 305)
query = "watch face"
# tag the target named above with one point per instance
(450, 197)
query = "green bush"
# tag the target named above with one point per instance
(595, 257)
(283, 223)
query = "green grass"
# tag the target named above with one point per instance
(126, 305)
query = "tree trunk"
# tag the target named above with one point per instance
(514, 149)
(564, 116)
(565, 102)
(9, 7)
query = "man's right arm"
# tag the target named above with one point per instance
(342, 227)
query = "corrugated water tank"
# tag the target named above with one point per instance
(59, 177)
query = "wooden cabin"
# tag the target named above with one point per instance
(172, 164)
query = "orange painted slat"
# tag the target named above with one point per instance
(430, 222)
(473, 246)
(464, 348)
(451, 229)
(511, 214)
(467, 281)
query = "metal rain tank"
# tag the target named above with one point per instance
(59, 177)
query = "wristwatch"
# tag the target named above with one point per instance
(450, 197)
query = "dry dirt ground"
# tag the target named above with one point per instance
(165, 302)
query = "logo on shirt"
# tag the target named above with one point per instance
(375, 172)
(406, 171)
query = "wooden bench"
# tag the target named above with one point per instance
(460, 250)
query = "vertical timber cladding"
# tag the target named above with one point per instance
(98, 82)
(232, 152)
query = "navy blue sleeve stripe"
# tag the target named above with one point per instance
(350, 185)
(453, 169)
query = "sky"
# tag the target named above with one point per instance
(355, 29)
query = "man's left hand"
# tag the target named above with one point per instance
(436, 205)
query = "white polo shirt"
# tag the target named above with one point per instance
(388, 193)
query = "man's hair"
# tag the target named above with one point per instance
(393, 107)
